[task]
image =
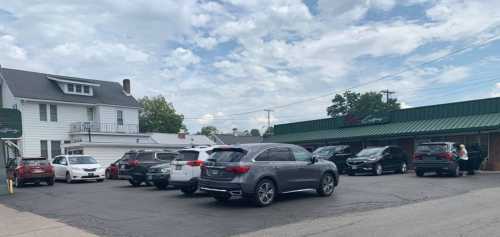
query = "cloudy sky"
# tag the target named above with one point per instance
(217, 60)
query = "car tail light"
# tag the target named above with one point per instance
(133, 163)
(237, 169)
(446, 155)
(195, 163)
(20, 169)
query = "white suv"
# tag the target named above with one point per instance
(186, 168)
(78, 167)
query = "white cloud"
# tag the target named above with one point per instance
(206, 119)
(181, 58)
(453, 74)
(9, 48)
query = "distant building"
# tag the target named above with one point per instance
(231, 139)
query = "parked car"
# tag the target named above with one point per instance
(337, 154)
(442, 158)
(159, 175)
(261, 171)
(30, 170)
(186, 168)
(134, 165)
(78, 167)
(378, 160)
(112, 170)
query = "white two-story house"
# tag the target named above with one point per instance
(68, 115)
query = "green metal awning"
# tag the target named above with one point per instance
(419, 127)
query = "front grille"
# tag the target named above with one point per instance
(89, 170)
(356, 162)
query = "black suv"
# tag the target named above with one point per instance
(262, 171)
(337, 154)
(378, 160)
(134, 165)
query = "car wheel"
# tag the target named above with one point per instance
(100, 180)
(326, 185)
(420, 173)
(161, 185)
(265, 192)
(222, 198)
(189, 190)
(148, 183)
(134, 182)
(68, 178)
(18, 183)
(50, 181)
(456, 172)
(378, 169)
(439, 173)
(108, 175)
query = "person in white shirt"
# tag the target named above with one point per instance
(463, 158)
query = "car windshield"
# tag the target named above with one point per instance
(82, 160)
(35, 162)
(187, 155)
(370, 151)
(432, 148)
(145, 156)
(325, 151)
(227, 155)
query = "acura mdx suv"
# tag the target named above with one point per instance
(262, 171)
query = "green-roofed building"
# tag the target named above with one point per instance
(474, 122)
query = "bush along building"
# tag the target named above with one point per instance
(475, 122)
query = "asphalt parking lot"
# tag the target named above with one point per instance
(114, 208)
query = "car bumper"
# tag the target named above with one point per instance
(157, 177)
(181, 184)
(79, 175)
(219, 188)
(36, 178)
(363, 167)
(435, 165)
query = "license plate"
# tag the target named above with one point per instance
(178, 167)
(91, 174)
(354, 167)
(214, 172)
(122, 166)
(37, 171)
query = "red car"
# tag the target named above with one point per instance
(112, 170)
(30, 170)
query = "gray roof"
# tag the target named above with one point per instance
(34, 85)
(230, 139)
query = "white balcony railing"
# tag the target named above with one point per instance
(94, 127)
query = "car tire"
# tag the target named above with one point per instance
(265, 192)
(161, 185)
(68, 178)
(100, 180)
(439, 173)
(378, 169)
(108, 175)
(188, 191)
(403, 168)
(326, 185)
(18, 183)
(134, 182)
(50, 181)
(456, 172)
(222, 198)
(420, 173)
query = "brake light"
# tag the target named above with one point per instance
(133, 163)
(20, 169)
(237, 169)
(446, 155)
(195, 163)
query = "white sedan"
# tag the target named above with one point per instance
(78, 167)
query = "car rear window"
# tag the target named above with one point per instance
(227, 155)
(187, 155)
(35, 162)
(145, 156)
(432, 148)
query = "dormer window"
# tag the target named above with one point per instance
(78, 88)
(86, 89)
(71, 87)
(75, 87)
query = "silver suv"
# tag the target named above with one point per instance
(261, 171)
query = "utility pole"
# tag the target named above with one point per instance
(268, 118)
(387, 93)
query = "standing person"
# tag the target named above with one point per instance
(463, 158)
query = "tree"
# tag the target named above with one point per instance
(356, 103)
(269, 131)
(158, 115)
(255, 132)
(208, 130)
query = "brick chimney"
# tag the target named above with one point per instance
(126, 86)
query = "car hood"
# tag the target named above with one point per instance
(87, 166)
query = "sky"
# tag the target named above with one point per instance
(223, 62)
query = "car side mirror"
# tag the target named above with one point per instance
(314, 159)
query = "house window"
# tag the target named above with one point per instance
(71, 88)
(119, 117)
(44, 152)
(53, 113)
(90, 114)
(43, 112)
(86, 89)
(55, 148)
(78, 88)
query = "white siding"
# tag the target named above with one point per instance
(111, 138)
(107, 155)
(35, 130)
(107, 114)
